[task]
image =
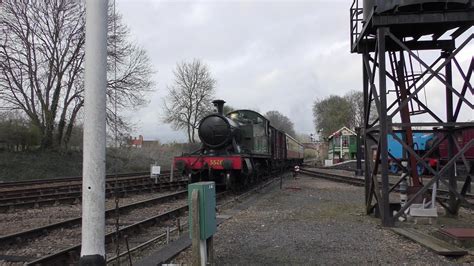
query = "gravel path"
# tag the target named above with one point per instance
(312, 221)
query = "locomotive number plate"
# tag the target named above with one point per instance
(215, 162)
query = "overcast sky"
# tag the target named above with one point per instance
(265, 55)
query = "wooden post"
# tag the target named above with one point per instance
(178, 225)
(196, 236)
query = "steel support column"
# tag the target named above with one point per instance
(453, 209)
(367, 171)
(385, 211)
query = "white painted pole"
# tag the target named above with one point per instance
(93, 185)
(172, 171)
(433, 196)
(203, 251)
(340, 155)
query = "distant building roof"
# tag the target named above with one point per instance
(342, 131)
(141, 143)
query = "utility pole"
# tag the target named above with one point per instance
(93, 183)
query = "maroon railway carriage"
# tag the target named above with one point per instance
(238, 148)
(463, 137)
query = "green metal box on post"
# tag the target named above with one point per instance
(207, 208)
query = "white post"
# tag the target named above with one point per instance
(93, 184)
(203, 251)
(172, 171)
(340, 155)
(433, 195)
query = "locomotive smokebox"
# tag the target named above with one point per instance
(219, 104)
(216, 130)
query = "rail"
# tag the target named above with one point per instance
(75, 197)
(26, 235)
(175, 250)
(70, 255)
(62, 179)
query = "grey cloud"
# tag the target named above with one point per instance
(265, 55)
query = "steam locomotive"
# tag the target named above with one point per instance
(238, 148)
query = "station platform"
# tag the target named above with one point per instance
(312, 221)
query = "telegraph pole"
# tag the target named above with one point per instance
(93, 183)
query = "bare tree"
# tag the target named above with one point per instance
(281, 122)
(356, 101)
(41, 65)
(189, 98)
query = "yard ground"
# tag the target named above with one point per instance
(313, 221)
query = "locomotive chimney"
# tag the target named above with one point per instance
(219, 104)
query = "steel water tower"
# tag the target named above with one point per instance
(416, 76)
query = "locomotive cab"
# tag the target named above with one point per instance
(254, 130)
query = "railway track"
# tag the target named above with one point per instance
(72, 193)
(441, 193)
(71, 255)
(61, 179)
(164, 238)
(25, 236)
(40, 237)
(72, 186)
(140, 234)
(65, 185)
(335, 177)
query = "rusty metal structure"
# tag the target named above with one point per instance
(407, 48)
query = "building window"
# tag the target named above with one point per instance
(345, 141)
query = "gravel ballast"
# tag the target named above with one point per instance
(58, 239)
(24, 219)
(312, 221)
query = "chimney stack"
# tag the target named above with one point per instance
(219, 104)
